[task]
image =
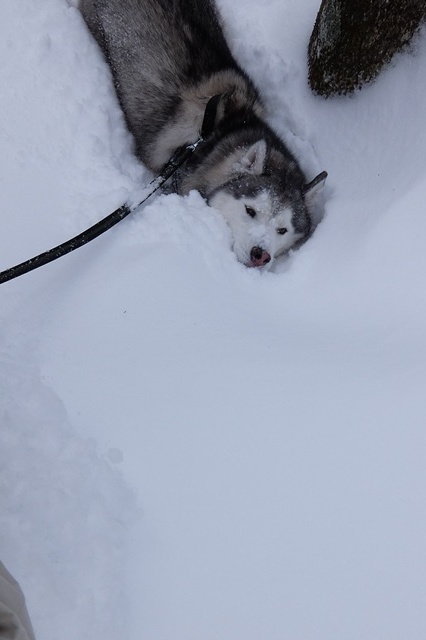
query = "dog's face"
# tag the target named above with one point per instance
(262, 226)
(267, 217)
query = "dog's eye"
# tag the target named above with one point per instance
(251, 212)
(282, 231)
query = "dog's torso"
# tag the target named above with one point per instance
(168, 58)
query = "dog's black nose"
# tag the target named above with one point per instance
(259, 257)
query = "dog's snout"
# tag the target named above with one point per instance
(259, 257)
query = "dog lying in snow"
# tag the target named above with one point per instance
(170, 60)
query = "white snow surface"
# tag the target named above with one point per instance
(192, 449)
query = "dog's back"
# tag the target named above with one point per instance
(166, 57)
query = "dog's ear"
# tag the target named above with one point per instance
(253, 158)
(311, 190)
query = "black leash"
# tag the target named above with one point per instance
(103, 225)
(172, 166)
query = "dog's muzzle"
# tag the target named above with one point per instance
(259, 257)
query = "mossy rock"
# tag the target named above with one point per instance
(353, 39)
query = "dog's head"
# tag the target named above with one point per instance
(266, 207)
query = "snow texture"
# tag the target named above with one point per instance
(191, 449)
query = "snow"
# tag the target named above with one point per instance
(191, 449)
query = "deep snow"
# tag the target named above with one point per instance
(191, 449)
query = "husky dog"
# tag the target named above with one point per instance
(169, 60)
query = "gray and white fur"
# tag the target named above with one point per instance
(168, 58)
